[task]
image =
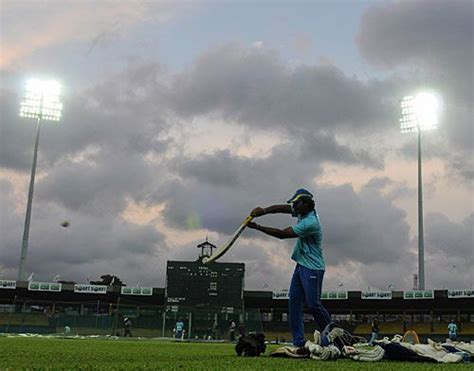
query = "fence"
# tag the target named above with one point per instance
(106, 318)
(147, 321)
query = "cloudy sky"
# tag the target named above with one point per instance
(181, 116)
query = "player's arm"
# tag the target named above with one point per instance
(274, 209)
(274, 232)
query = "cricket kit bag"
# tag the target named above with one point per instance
(251, 345)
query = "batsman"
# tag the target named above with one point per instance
(307, 280)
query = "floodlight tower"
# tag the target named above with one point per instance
(41, 102)
(419, 113)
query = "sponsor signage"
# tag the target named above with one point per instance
(334, 295)
(283, 294)
(418, 294)
(141, 291)
(459, 294)
(90, 289)
(376, 295)
(45, 286)
(7, 284)
(325, 295)
(175, 300)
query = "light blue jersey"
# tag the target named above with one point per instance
(308, 249)
(179, 326)
(453, 329)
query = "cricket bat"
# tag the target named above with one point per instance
(224, 248)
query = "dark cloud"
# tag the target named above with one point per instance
(435, 34)
(222, 188)
(392, 190)
(99, 188)
(221, 168)
(457, 124)
(381, 275)
(449, 251)
(255, 88)
(10, 227)
(450, 238)
(461, 168)
(364, 227)
(193, 205)
(17, 137)
(325, 148)
(90, 246)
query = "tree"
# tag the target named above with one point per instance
(108, 280)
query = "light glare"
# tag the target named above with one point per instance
(419, 112)
(41, 100)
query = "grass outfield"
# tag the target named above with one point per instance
(40, 353)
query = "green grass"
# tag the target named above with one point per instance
(88, 354)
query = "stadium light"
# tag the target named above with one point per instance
(419, 113)
(41, 102)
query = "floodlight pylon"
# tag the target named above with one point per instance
(419, 113)
(42, 102)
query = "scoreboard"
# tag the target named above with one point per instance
(191, 283)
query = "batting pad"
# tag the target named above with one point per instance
(288, 352)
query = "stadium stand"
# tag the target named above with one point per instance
(208, 297)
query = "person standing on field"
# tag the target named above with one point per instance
(307, 281)
(453, 330)
(232, 328)
(178, 329)
(127, 327)
(375, 331)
